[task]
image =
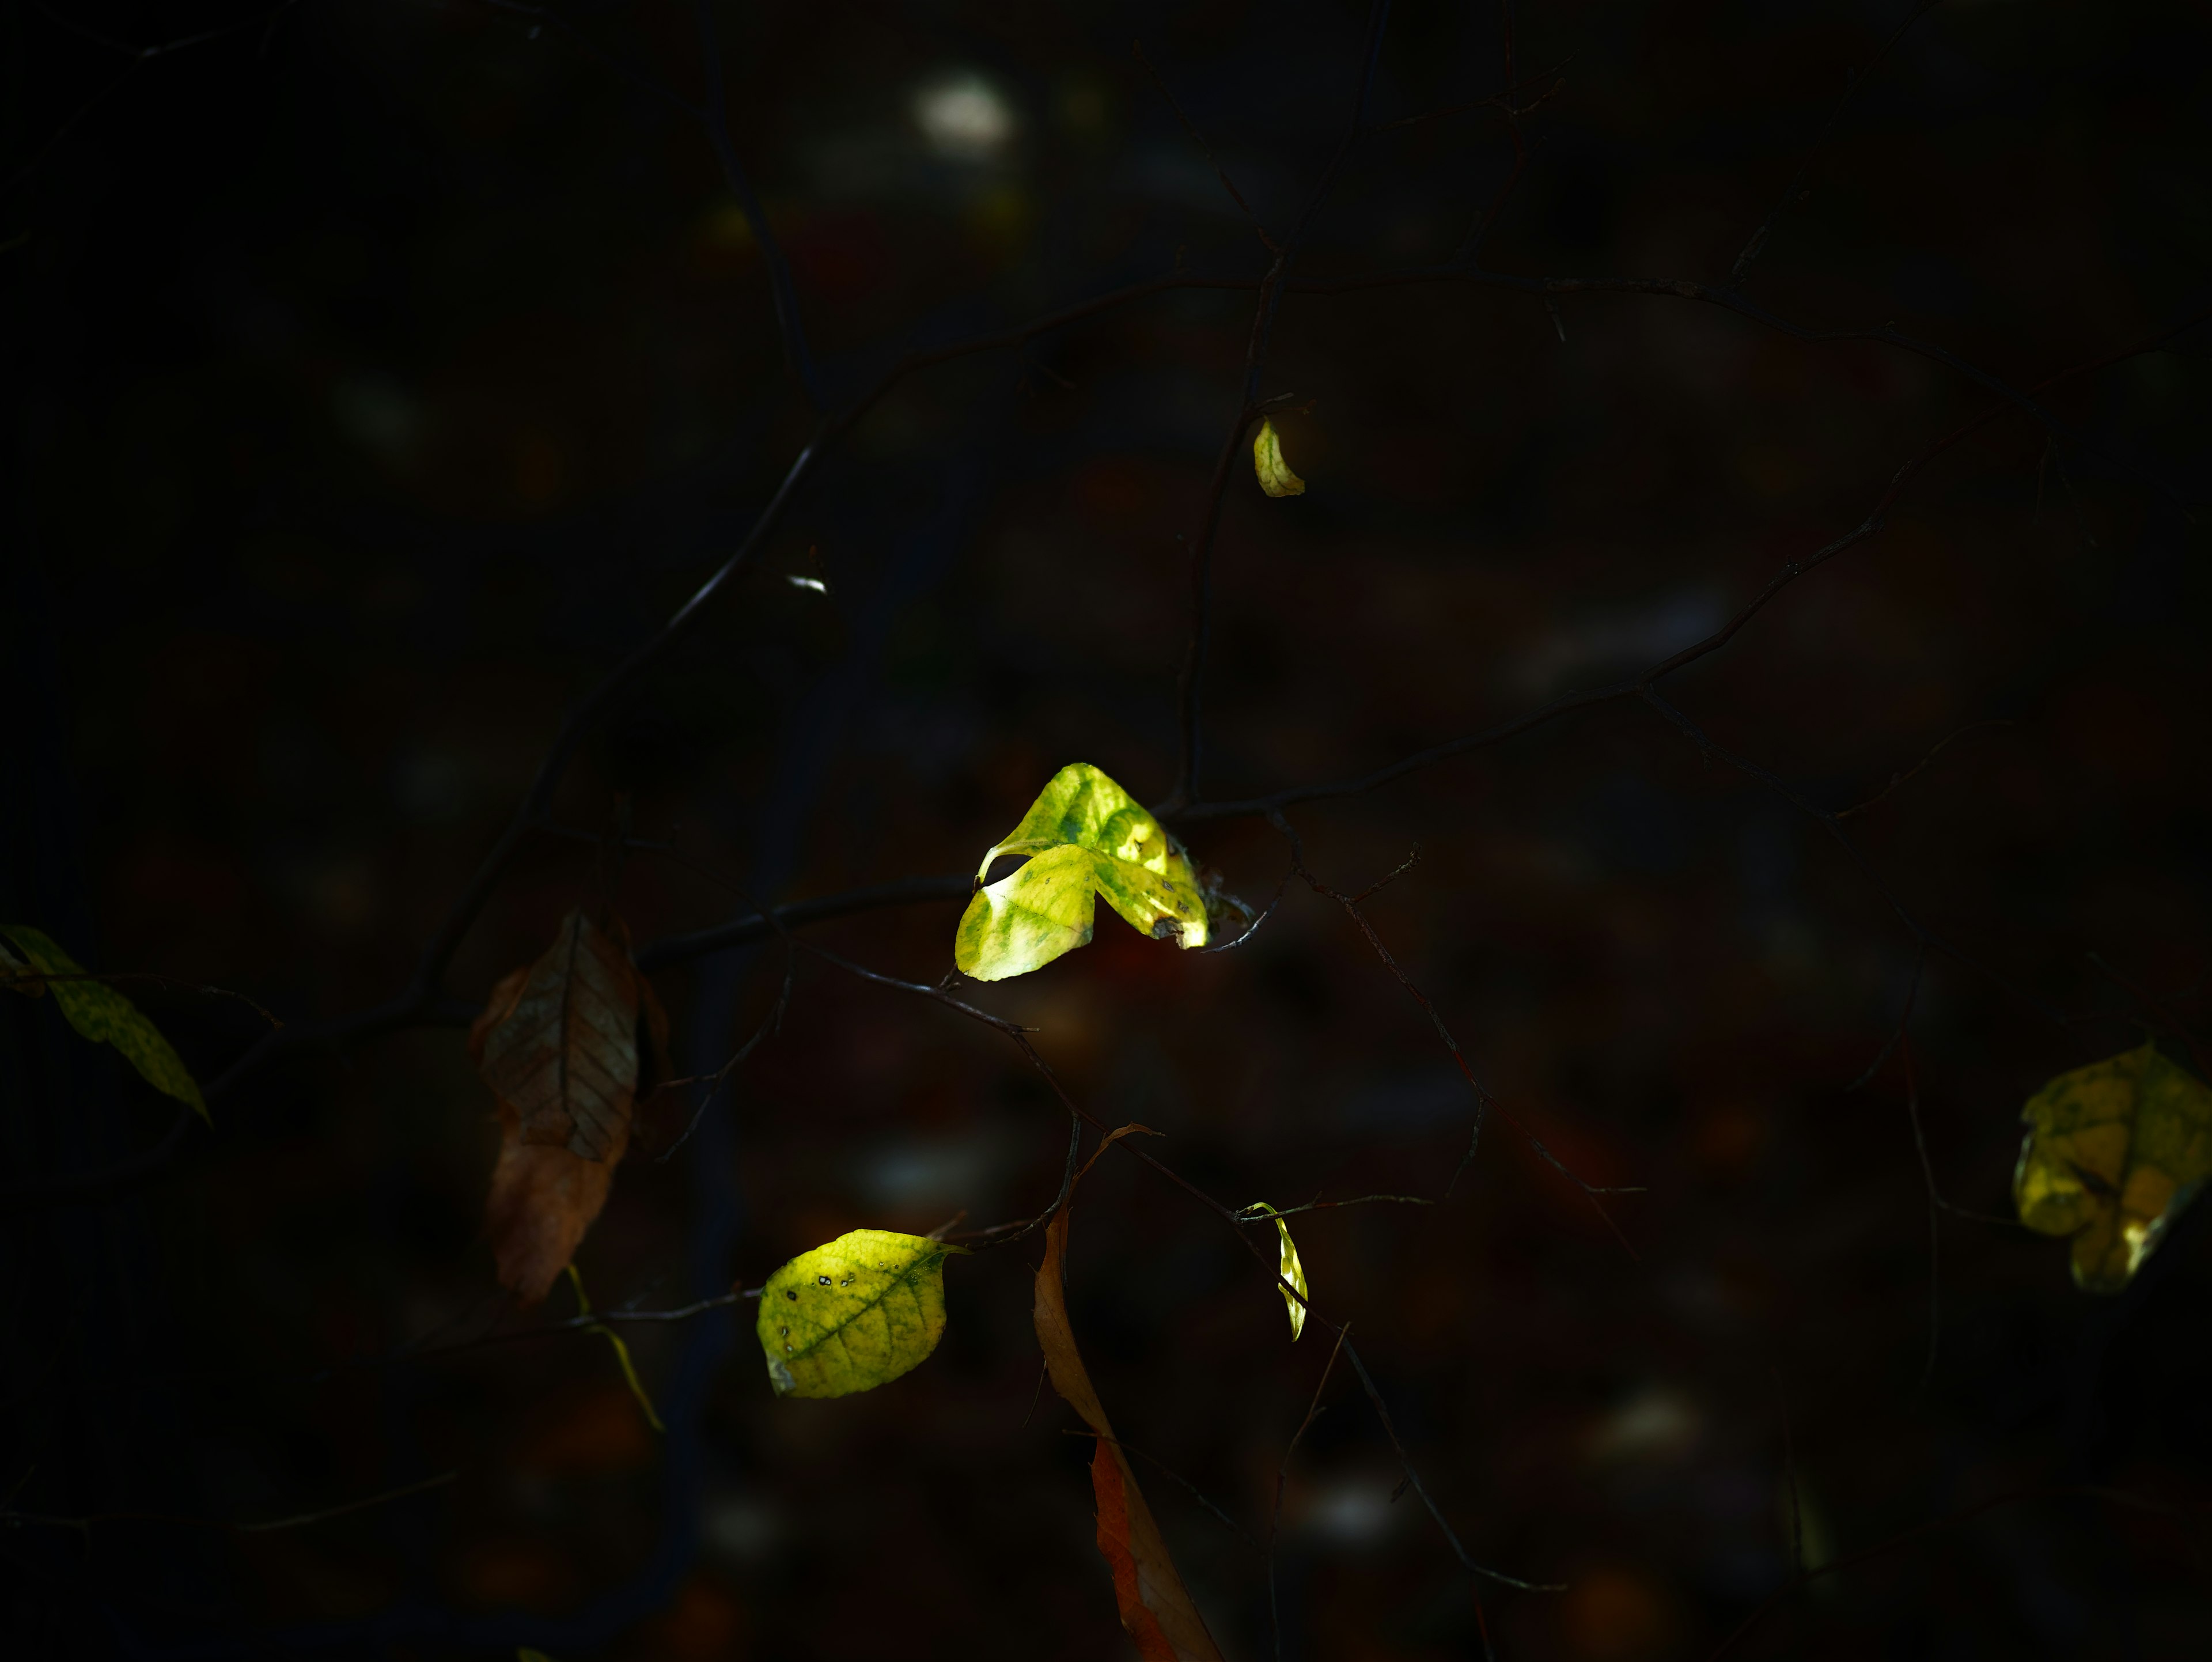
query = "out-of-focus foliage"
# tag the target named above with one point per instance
(2114, 1154)
(1083, 837)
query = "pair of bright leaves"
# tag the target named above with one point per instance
(870, 1306)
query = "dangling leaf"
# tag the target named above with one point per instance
(564, 1056)
(1275, 476)
(548, 1032)
(104, 1016)
(2114, 1154)
(622, 1351)
(1155, 1607)
(1292, 1271)
(853, 1314)
(1086, 836)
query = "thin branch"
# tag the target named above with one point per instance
(1897, 779)
(715, 117)
(1905, 1537)
(1412, 1477)
(1196, 1492)
(83, 1525)
(1852, 84)
(1198, 138)
(1283, 1478)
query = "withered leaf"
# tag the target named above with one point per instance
(1155, 1607)
(564, 1056)
(547, 1188)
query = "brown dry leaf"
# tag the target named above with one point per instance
(564, 1053)
(552, 1042)
(1155, 1607)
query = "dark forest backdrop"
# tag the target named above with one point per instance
(380, 374)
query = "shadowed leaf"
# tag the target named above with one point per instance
(547, 1030)
(853, 1314)
(1086, 836)
(106, 1017)
(1155, 1607)
(1275, 476)
(2114, 1152)
(564, 1056)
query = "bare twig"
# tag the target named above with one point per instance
(1914, 772)
(297, 1520)
(1852, 84)
(1283, 1478)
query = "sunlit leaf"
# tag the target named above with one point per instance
(1275, 476)
(2114, 1152)
(853, 1314)
(1291, 1271)
(1156, 1609)
(564, 1053)
(106, 1017)
(1084, 836)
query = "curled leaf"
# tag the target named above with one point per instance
(2114, 1152)
(1155, 1607)
(1084, 836)
(853, 1314)
(1291, 1271)
(102, 1015)
(1275, 476)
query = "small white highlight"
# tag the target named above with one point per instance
(964, 117)
(814, 583)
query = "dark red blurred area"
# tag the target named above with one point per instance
(381, 376)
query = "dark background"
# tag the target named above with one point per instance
(380, 374)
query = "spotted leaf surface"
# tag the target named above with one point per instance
(1275, 476)
(1086, 836)
(106, 1017)
(853, 1314)
(2114, 1154)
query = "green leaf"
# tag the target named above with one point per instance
(106, 1017)
(1086, 836)
(1291, 1271)
(854, 1314)
(1275, 476)
(2114, 1152)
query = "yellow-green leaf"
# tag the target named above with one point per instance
(1291, 1271)
(1275, 476)
(2114, 1152)
(854, 1314)
(106, 1017)
(1086, 836)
